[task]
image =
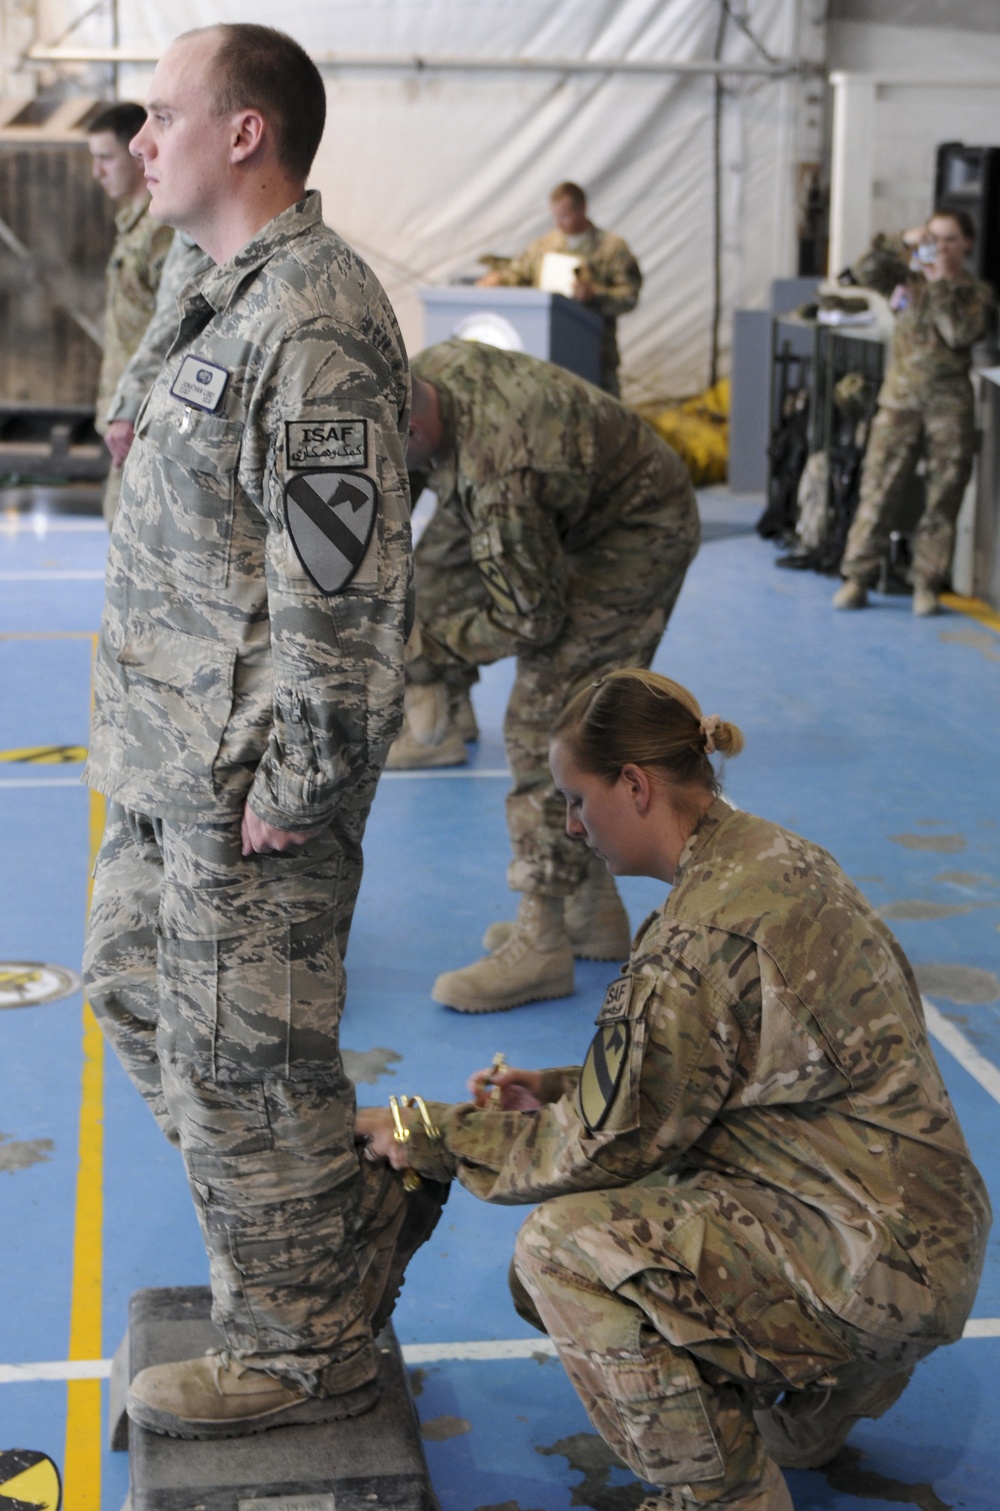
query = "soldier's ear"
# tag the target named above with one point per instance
(638, 785)
(248, 130)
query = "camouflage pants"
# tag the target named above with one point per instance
(668, 1377)
(219, 982)
(899, 437)
(620, 599)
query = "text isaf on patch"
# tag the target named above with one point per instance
(330, 519)
(326, 443)
(200, 384)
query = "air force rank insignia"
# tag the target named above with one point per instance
(330, 518)
(602, 1072)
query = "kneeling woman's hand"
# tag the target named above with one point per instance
(520, 1090)
(373, 1127)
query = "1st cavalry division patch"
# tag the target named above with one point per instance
(602, 1072)
(29, 1481)
(330, 518)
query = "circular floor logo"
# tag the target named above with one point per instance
(29, 983)
(28, 1479)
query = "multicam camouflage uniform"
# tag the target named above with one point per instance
(133, 276)
(756, 1182)
(613, 271)
(925, 408)
(562, 533)
(183, 261)
(224, 673)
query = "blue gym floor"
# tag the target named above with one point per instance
(873, 733)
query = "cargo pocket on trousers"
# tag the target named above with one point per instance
(662, 1412)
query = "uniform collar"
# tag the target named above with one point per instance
(130, 215)
(703, 834)
(221, 284)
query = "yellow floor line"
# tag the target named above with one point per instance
(82, 1462)
(974, 608)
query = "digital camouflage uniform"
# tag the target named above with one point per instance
(562, 533)
(925, 409)
(133, 277)
(756, 1182)
(614, 273)
(183, 261)
(271, 444)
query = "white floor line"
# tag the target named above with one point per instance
(957, 1045)
(53, 575)
(42, 526)
(447, 771)
(491, 1351)
(42, 781)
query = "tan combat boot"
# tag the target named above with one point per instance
(850, 595)
(810, 1426)
(428, 737)
(770, 1494)
(596, 921)
(533, 963)
(925, 599)
(218, 1397)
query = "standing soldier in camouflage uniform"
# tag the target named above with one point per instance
(183, 261)
(925, 406)
(248, 684)
(608, 280)
(563, 530)
(758, 1211)
(135, 265)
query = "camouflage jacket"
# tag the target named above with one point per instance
(934, 334)
(541, 469)
(184, 260)
(259, 565)
(613, 270)
(766, 1037)
(133, 277)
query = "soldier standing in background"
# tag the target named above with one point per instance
(608, 279)
(248, 683)
(925, 405)
(758, 1211)
(135, 264)
(563, 530)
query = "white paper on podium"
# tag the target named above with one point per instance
(558, 273)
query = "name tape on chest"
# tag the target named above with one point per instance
(330, 516)
(200, 384)
(319, 444)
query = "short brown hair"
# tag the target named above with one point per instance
(636, 717)
(261, 68)
(962, 219)
(569, 191)
(125, 120)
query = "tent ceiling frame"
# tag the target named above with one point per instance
(412, 62)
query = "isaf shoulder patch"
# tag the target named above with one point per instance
(320, 444)
(330, 515)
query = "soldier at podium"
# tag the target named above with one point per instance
(563, 530)
(607, 278)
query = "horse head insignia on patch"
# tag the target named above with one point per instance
(330, 517)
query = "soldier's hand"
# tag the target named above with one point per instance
(118, 439)
(583, 287)
(261, 838)
(520, 1090)
(373, 1127)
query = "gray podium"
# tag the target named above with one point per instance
(373, 1462)
(558, 330)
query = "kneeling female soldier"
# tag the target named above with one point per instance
(758, 1211)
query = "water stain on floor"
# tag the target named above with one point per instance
(365, 1067)
(959, 983)
(844, 1473)
(590, 1456)
(440, 1429)
(919, 910)
(21, 1154)
(947, 844)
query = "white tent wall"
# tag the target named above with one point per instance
(424, 168)
(935, 77)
